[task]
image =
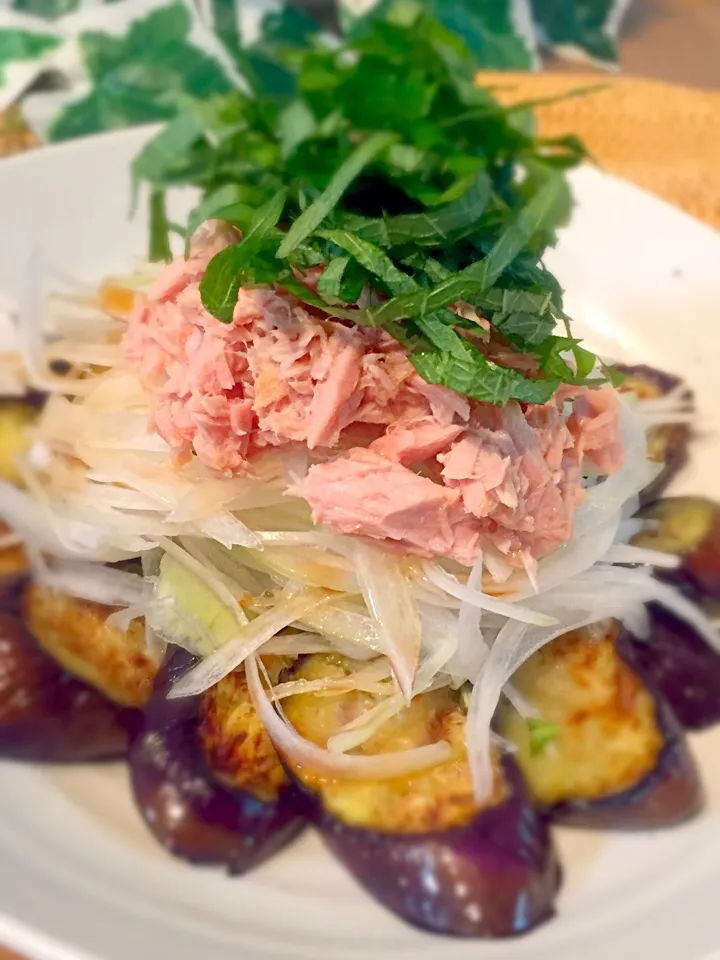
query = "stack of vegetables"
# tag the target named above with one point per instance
(429, 717)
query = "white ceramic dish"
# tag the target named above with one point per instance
(80, 879)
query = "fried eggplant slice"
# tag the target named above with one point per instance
(46, 714)
(681, 665)
(690, 528)
(74, 633)
(16, 417)
(14, 572)
(420, 844)
(618, 759)
(206, 778)
(668, 443)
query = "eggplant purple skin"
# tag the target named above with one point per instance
(496, 876)
(698, 575)
(189, 810)
(676, 436)
(49, 716)
(682, 666)
(670, 794)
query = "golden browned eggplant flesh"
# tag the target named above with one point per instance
(618, 758)
(420, 844)
(206, 778)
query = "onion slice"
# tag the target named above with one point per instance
(389, 598)
(95, 582)
(291, 744)
(627, 553)
(513, 611)
(471, 647)
(368, 679)
(249, 639)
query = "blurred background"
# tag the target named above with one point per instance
(70, 68)
(83, 66)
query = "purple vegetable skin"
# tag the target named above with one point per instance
(185, 804)
(688, 527)
(419, 842)
(497, 876)
(46, 714)
(668, 443)
(682, 666)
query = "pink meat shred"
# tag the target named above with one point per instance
(396, 459)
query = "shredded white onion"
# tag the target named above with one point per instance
(514, 611)
(626, 553)
(307, 754)
(641, 585)
(95, 582)
(121, 619)
(8, 540)
(471, 646)
(362, 728)
(249, 639)
(367, 680)
(389, 598)
(314, 567)
(609, 497)
(296, 644)
(574, 557)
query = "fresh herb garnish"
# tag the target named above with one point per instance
(380, 159)
(542, 733)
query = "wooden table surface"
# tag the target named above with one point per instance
(673, 40)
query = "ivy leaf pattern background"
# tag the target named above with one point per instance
(84, 66)
(142, 76)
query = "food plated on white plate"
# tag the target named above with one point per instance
(330, 520)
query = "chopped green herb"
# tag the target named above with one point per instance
(225, 273)
(313, 216)
(542, 733)
(381, 160)
(159, 228)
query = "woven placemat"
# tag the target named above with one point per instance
(662, 137)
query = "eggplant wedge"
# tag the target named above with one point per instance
(618, 758)
(668, 443)
(74, 633)
(420, 844)
(690, 528)
(206, 778)
(679, 663)
(47, 715)
(17, 415)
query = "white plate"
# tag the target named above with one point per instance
(80, 877)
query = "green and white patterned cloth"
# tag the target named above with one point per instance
(83, 66)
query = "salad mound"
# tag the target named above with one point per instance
(392, 457)
(341, 514)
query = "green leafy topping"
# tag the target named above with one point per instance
(225, 273)
(380, 160)
(542, 733)
(313, 216)
(159, 227)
